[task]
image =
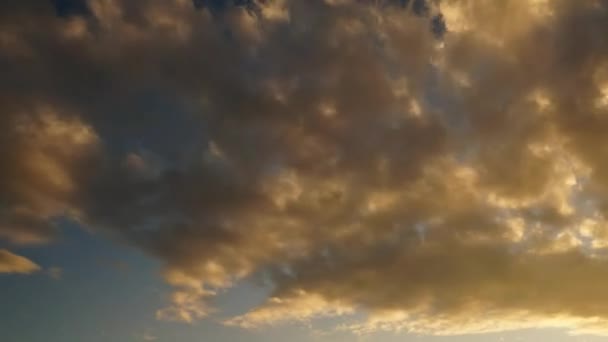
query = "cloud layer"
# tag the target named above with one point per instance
(437, 165)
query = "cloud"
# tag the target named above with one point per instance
(13, 263)
(55, 273)
(149, 337)
(300, 307)
(43, 152)
(435, 165)
(146, 336)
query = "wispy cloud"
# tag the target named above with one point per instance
(13, 263)
(55, 272)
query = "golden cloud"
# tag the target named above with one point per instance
(13, 263)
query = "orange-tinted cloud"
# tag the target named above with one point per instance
(13, 263)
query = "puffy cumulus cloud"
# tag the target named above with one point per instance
(13, 263)
(44, 155)
(436, 165)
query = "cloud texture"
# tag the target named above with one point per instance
(437, 165)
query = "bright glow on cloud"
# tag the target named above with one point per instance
(13, 263)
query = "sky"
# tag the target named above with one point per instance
(303, 170)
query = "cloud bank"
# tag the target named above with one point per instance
(437, 165)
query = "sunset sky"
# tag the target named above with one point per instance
(303, 170)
